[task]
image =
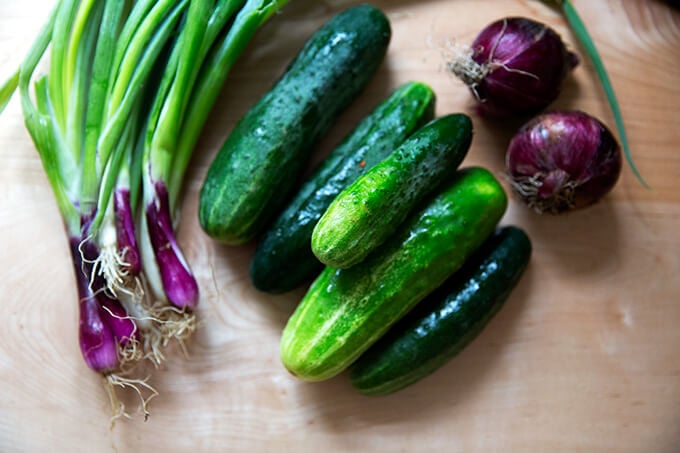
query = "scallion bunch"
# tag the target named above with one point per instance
(115, 119)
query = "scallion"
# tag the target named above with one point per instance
(115, 120)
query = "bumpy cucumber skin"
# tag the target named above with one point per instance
(283, 259)
(346, 310)
(440, 326)
(367, 212)
(261, 160)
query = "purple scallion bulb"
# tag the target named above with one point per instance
(97, 343)
(179, 284)
(115, 315)
(125, 231)
(563, 160)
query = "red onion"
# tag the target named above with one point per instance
(515, 66)
(565, 160)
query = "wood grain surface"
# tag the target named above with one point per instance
(584, 357)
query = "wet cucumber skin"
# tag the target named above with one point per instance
(446, 321)
(283, 259)
(346, 310)
(367, 212)
(261, 160)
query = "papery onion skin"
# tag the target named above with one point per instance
(515, 66)
(563, 160)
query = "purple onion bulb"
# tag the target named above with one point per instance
(125, 231)
(563, 160)
(515, 66)
(98, 344)
(179, 283)
(114, 314)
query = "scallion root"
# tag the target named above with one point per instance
(111, 265)
(170, 323)
(141, 387)
(131, 354)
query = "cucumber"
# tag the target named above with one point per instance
(283, 259)
(367, 212)
(262, 158)
(347, 310)
(447, 320)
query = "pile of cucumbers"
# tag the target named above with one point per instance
(403, 250)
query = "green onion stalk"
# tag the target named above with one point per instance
(115, 120)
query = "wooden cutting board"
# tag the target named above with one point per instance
(585, 356)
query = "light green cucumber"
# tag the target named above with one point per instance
(367, 212)
(346, 310)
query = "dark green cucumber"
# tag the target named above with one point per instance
(347, 310)
(447, 320)
(283, 259)
(367, 212)
(263, 157)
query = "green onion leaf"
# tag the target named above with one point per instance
(164, 132)
(8, 89)
(213, 75)
(63, 24)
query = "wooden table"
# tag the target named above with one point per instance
(585, 356)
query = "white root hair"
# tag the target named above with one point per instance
(141, 388)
